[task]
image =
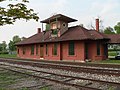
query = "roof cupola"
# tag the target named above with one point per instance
(58, 24)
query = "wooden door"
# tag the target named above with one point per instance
(41, 51)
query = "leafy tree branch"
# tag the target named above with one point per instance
(9, 14)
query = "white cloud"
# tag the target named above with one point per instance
(50, 7)
(57, 6)
(107, 11)
(82, 10)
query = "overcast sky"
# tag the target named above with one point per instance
(85, 11)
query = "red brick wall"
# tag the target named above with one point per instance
(50, 55)
(28, 52)
(93, 51)
(79, 51)
(63, 53)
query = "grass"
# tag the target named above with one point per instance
(7, 78)
(112, 53)
(111, 61)
(8, 55)
(107, 62)
(45, 88)
(24, 89)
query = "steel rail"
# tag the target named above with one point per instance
(57, 81)
(70, 68)
(100, 81)
(67, 62)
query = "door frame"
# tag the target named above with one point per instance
(41, 51)
(61, 51)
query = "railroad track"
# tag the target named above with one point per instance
(107, 66)
(66, 63)
(112, 70)
(46, 75)
(62, 79)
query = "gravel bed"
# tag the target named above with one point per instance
(82, 74)
(69, 73)
(81, 66)
(75, 65)
(31, 83)
(85, 75)
(70, 65)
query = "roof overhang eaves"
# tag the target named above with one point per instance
(50, 41)
(60, 18)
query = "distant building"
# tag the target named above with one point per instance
(66, 43)
(114, 46)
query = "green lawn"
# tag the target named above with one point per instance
(8, 78)
(111, 61)
(107, 62)
(8, 55)
(112, 53)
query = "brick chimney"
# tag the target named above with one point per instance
(97, 24)
(39, 30)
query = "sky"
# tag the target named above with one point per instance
(85, 11)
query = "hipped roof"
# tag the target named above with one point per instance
(73, 33)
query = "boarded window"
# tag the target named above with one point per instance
(46, 49)
(18, 51)
(24, 50)
(98, 48)
(71, 48)
(55, 49)
(86, 51)
(36, 49)
(105, 50)
(32, 50)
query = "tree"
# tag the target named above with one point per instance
(109, 30)
(12, 43)
(16, 39)
(3, 47)
(0, 47)
(117, 28)
(9, 14)
(11, 46)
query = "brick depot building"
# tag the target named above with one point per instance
(66, 43)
